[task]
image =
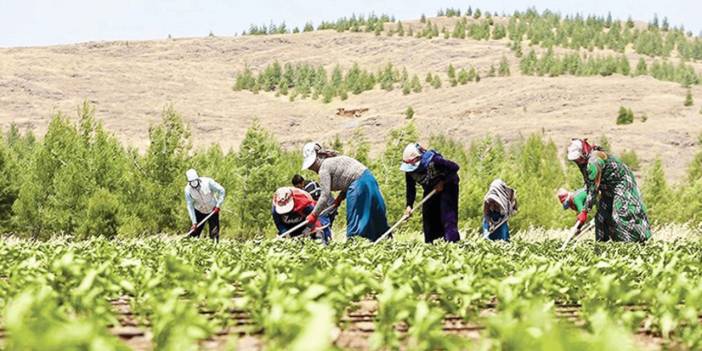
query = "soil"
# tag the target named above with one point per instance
(131, 82)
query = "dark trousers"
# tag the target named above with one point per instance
(440, 215)
(212, 222)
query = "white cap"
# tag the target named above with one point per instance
(191, 174)
(411, 157)
(309, 154)
(575, 149)
(283, 200)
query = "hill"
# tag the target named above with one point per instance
(130, 83)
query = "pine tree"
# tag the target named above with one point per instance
(472, 74)
(503, 70)
(641, 67)
(657, 193)
(688, 98)
(452, 75)
(463, 76)
(423, 19)
(436, 82)
(630, 23)
(429, 78)
(400, 29)
(409, 112)
(625, 116)
(476, 14)
(415, 84)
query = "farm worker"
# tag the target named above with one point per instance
(621, 213)
(573, 200)
(315, 190)
(499, 204)
(291, 206)
(203, 196)
(310, 186)
(365, 206)
(433, 172)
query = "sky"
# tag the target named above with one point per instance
(51, 22)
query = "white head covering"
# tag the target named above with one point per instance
(503, 195)
(575, 149)
(309, 154)
(411, 157)
(283, 200)
(191, 174)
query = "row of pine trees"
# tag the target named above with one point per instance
(80, 181)
(546, 29)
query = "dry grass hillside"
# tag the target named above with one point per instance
(131, 82)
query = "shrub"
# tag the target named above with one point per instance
(625, 116)
(409, 112)
(688, 98)
(630, 158)
(503, 69)
(436, 82)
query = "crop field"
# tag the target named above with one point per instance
(168, 294)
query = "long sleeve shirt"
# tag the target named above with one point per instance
(336, 174)
(204, 198)
(446, 170)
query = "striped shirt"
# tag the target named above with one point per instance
(336, 174)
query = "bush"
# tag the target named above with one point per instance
(625, 116)
(101, 217)
(630, 158)
(409, 112)
(688, 98)
(503, 69)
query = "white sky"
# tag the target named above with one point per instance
(48, 22)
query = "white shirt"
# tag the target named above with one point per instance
(203, 198)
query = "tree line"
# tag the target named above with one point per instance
(78, 180)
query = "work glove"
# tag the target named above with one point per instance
(215, 210)
(312, 218)
(582, 218)
(408, 212)
(439, 186)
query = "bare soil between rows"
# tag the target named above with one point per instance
(353, 331)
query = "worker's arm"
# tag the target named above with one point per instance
(219, 190)
(594, 176)
(325, 195)
(410, 190)
(579, 199)
(278, 220)
(189, 205)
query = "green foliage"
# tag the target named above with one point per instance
(657, 194)
(688, 98)
(503, 70)
(305, 80)
(641, 67)
(259, 163)
(625, 116)
(102, 216)
(436, 82)
(630, 159)
(409, 112)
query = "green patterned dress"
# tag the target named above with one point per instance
(621, 213)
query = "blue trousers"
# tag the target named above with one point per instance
(501, 233)
(365, 208)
